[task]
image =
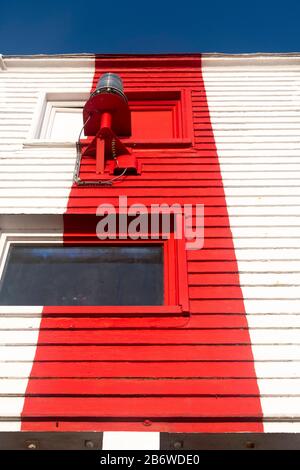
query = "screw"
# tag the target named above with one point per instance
(250, 445)
(178, 445)
(89, 444)
(32, 445)
(147, 422)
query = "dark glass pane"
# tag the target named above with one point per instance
(94, 275)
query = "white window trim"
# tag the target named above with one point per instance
(10, 238)
(54, 107)
(31, 238)
(44, 110)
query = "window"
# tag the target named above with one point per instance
(158, 118)
(152, 121)
(161, 116)
(57, 118)
(112, 277)
(83, 275)
(62, 121)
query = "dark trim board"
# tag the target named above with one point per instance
(51, 440)
(230, 441)
(168, 441)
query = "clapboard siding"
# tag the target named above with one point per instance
(256, 121)
(254, 110)
(20, 89)
(149, 351)
(34, 167)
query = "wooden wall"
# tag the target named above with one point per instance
(218, 375)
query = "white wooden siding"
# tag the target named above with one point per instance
(27, 167)
(254, 106)
(16, 366)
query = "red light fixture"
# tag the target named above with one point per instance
(107, 117)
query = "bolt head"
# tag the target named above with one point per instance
(250, 445)
(32, 445)
(178, 445)
(89, 444)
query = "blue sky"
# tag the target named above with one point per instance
(152, 26)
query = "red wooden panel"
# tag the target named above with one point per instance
(205, 279)
(143, 407)
(152, 124)
(217, 305)
(140, 322)
(159, 425)
(138, 337)
(213, 266)
(134, 387)
(215, 292)
(171, 369)
(143, 353)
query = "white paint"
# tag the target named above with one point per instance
(20, 323)
(281, 427)
(11, 317)
(18, 369)
(261, 306)
(257, 127)
(28, 88)
(23, 369)
(273, 279)
(131, 440)
(62, 120)
(273, 321)
(10, 426)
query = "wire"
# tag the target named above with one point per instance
(76, 178)
(89, 117)
(101, 182)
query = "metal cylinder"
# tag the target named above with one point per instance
(110, 81)
(106, 121)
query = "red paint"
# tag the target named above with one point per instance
(141, 407)
(136, 337)
(134, 387)
(199, 371)
(100, 155)
(124, 352)
(151, 369)
(211, 425)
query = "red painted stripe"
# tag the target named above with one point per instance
(142, 408)
(214, 426)
(133, 387)
(101, 373)
(144, 353)
(149, 369)
(142, 337)
(145, 323)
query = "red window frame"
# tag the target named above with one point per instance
(176, 298)
(179, 101)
